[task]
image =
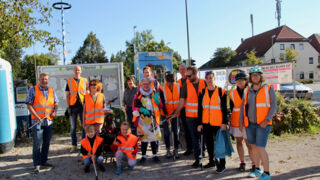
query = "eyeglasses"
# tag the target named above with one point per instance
(189, 76)
(93, 84)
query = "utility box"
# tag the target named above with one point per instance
(160, 62)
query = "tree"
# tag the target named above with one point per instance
(19, 24)
(27, 66)
(90, 52)
(222, 57)
(13, 54)
(289, 56)
(252, 59)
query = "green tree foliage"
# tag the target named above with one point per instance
(222, 57)
(90, 52)
(290, 55)
(19, 23)
(144, 42)
(27, 66)
(13, 54)
(252, 59)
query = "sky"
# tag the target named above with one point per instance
(212, 23)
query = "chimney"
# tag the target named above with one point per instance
(242, 40)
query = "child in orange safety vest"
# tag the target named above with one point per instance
(91, 149)
(127, 147)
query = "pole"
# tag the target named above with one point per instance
(187, 32)
(134, 40)
(294, 78)
(63, 41)
(35, 63)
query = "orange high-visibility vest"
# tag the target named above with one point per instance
(87, 146)
(262, 105)
(43, 107)
(237, 101)
(191, 104)
(171, 97)
(76, 88)
(156, 110)
(94, 110)
(180, 82)
(127, 145)
(212, 113)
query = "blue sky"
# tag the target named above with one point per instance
(212, 23)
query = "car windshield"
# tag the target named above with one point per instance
(290, 84)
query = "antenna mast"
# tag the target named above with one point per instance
(278, 13)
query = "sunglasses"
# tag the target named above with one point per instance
(189, 76)
(207, 72)
(93, 84)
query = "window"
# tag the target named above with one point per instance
(273, 61)
(311, 75)
(281, 46)
(301, 46)
(301, 75)
(292, 46)
(310, 60)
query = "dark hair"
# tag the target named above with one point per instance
(261, 78)
(193, 69)
(130, 78)
(209, 73)
(147, 67)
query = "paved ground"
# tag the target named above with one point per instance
(294, 158)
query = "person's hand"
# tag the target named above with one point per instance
(264, 124)
(39, 120)
(125, 107)
(69, 111)
(93, 157)
(115, 142)
(89, 154)
(199, 128)
(53, 114)
(170, 117)
(223, 127)
(241, 127)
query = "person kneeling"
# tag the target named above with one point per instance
(127, 147)
(91, 149)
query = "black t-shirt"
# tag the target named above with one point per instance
(78, 103)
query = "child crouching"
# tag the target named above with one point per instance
(127, 147)
(91, 148)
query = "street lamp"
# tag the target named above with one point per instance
(134, 40)
(187, 30)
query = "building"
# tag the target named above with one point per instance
(271, 45)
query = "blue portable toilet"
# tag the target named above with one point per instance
(8, 124)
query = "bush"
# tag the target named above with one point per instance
(294, 116)
(61, 125)
(306, 81)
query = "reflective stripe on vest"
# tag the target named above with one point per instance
(42, 106)
(94, 110)
(237, 101)
(85, 143)
(191, 104)
(76, 88)
(211, 113)
(127, 145)
(171, 97)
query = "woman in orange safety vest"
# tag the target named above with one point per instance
(94, 107)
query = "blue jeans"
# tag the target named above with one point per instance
(88, 161)
(41, 137)
(195, 136)
(257, 135)
(73, 124)
(175, 131)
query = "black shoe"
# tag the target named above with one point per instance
(142, 160)
(87, 169)
(195, 164)
(220, 169)
(210, 164)
(156, 159)
(188, 152)
(242, 167)
(47, 165)
(253, 168)
(101, 168)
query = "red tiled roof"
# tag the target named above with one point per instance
(262, 42)
(314, 40)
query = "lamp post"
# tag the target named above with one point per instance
(134, 40)
(273, 36)
(187, 31)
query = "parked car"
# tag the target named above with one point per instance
(302, 91)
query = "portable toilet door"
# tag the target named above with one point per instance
(8, 124)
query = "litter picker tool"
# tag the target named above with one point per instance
(201, 137)
(94, 167)
(38, 122)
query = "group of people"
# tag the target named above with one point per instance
(198, 104)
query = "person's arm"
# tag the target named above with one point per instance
(163, 102)
(273, 104)
(224, 108)
(83, 151)
(67, 94)
(84, 115)
(99, 150)
(29, 102)
(200, 108)
(231, 105)
(182, 101)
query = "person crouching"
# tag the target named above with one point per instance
(91, 149)
(127, 147)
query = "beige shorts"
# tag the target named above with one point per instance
(235, 131)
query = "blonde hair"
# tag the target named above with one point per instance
(89, 128)
(43, 74)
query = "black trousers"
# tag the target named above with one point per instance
(144, 146)
(187, 135)
(210, 138)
